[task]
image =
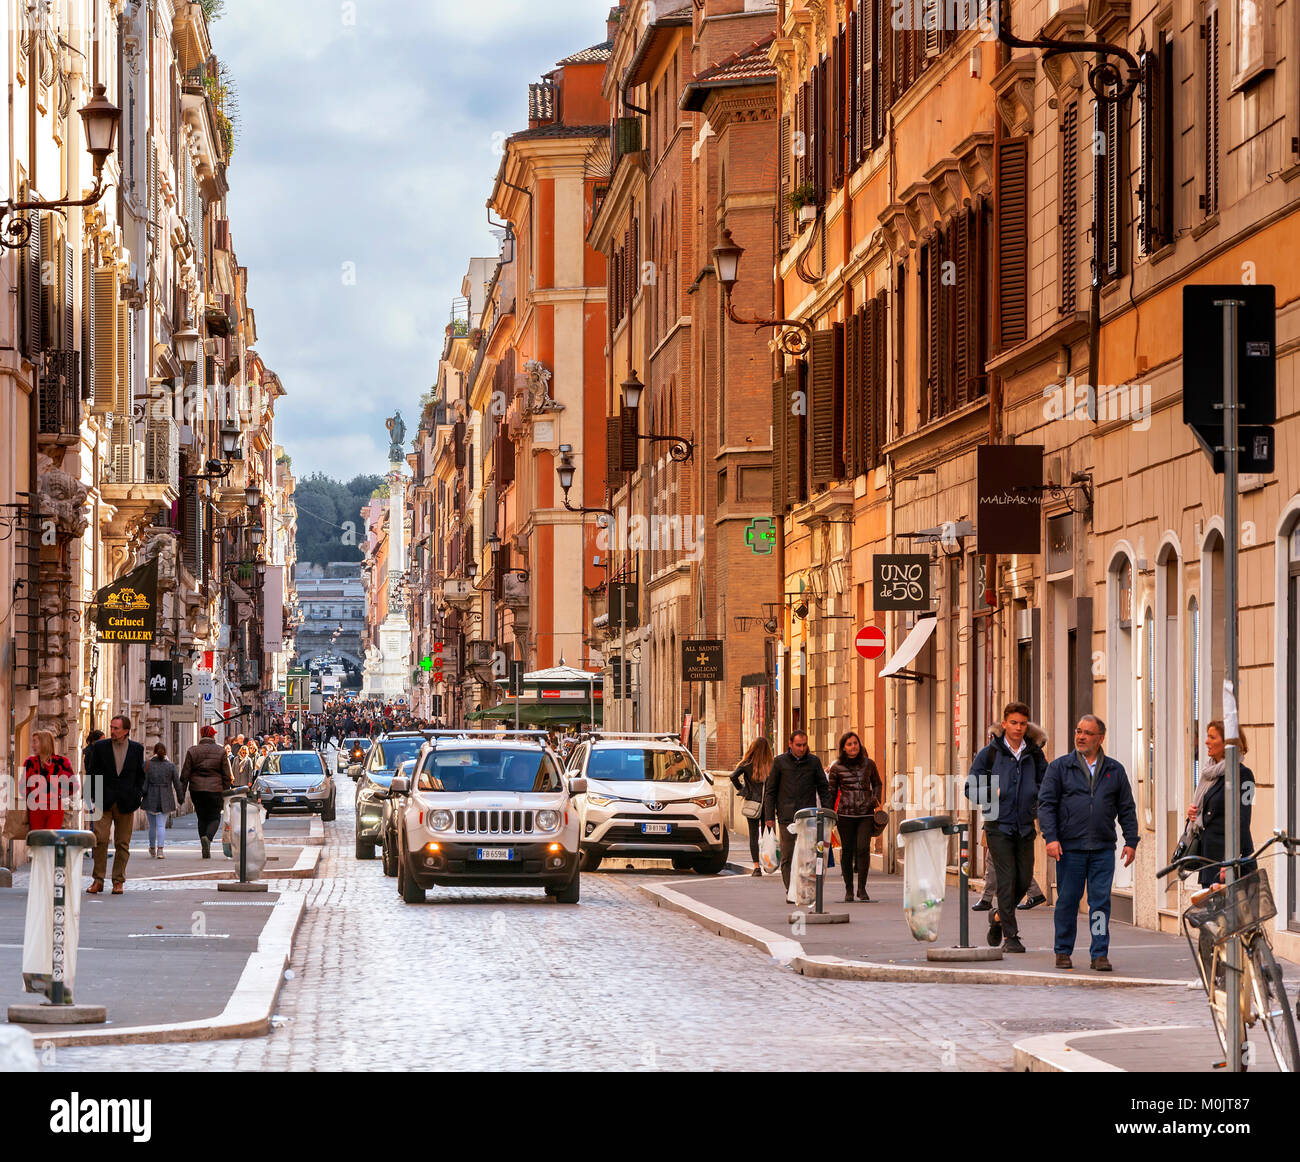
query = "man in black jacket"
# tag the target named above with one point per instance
(114, 789)
(1003, 783)
(795, 781)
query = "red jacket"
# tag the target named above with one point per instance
(49, 787)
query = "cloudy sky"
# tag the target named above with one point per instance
(366, 151)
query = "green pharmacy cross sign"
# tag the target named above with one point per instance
(426, 663)
(760, 535)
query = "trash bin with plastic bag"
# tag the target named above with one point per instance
(246, 832)
(925, 873)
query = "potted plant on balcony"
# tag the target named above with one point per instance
(803, 202)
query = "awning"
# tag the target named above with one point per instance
(533, 714)
(912, 645)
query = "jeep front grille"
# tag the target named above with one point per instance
(494, 822)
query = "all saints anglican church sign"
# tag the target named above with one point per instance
(127, 609)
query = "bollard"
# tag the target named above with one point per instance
(817, 916)
(59, 1007)
(963, 951)
(243, 884)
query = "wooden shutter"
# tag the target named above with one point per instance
(836, 119)
(30, 298)
(814, 143)
(854, 67)
(1069, 206)
(852, 443)
(1115, 190)
(613, 455)
(879, 380)
(780, 415)
(795, 476)
(1156, 122)
(882, 88)
(1210, 199)
(66, 312)
(629, 444)
(867, 77)
(104, 342)
(1011, 233)
(801, 130)
(826, 356)
(192, 528)
(505, 456)
(634, 266)
(964, 307)
(784, 184)
(87, 326)
(932, 325)
(122, 397)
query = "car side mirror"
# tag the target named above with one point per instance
(399, 786)
(578, 785)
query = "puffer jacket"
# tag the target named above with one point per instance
(206, 767)
(855, 790)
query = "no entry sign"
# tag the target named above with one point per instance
(870, 642)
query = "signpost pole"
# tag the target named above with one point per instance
(1232, 776)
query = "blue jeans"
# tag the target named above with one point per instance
(157, 828)
(1097, 870)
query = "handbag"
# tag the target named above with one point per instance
(16, 824)
(751, 808)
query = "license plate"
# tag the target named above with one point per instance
(292, 800)
(656, 828)
(496, 853)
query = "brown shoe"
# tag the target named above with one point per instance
(1063, 960)
(96, 886)
(1100, 964)
(117, 891)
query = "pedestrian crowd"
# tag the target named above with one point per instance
(1076, 801)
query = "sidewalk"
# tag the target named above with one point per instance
(1173, 1049)
(169, 963)
(293, 849)
(876, 944)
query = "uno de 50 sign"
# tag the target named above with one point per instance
(900, 581)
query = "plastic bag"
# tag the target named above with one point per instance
(226, 840)
(769, 853)
(924, 881)
(250, 834)
(803, 868)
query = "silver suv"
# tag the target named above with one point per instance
(481, 809)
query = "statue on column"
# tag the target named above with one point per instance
(397, 435)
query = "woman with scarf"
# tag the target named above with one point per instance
(1207, 816)
(856, 790)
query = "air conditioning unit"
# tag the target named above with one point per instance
(479, 653)
(514, 589)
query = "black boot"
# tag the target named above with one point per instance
(862, 892)
(207, 846)
(848, 893)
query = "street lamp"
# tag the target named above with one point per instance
(229, 438)
(255, 534)
(632, 389)
(253, 496)
(101, 119)
(565, 470)
(795, 335)
(681, 449)
(187, 343)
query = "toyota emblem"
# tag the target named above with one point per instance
(656, 805)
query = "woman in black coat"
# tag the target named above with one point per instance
(856, 790)
(749, 779)
(1212, 809)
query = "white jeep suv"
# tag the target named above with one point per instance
(645, 796)
(483, 808)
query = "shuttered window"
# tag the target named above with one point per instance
(853, 44)
(823, 430)
(1108, 132)
(780, 415)
(1156, 181)
(881, 89)
(796, 423)
(1011, 229)
(629, 443)
(1213, 98)
(854, 444)
(613, 455)
(876, 367)
(104, 341)
(785, 183)
(801, 177)
(1069, 220)
(835, 112)
(31, 300)
(123, 400)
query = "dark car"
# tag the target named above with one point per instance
(377, 773)
(295, 780)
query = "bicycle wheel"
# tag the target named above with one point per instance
(1271, 1005)
(1209, 964)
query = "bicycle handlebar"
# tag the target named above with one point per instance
(1191, 863)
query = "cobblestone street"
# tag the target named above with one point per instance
(510, 980)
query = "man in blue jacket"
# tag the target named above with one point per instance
(1003, 783)
(1082, 795)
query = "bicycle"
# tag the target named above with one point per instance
(1238, 912)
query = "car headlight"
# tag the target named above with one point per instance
(598, 800)
(548, 820)
(319, 786)
(706, 801)
(440, 820)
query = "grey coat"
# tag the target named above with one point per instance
(162, 786)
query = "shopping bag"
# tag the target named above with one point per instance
(769, 852)
(803, 867)
(15, 824)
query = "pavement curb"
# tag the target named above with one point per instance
(1053, 1054)
(247, 1013)
(791, 952)
(780, 948)
(304, 869)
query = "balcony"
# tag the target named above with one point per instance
(141, 478)
(60, 398)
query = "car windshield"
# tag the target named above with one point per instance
(489, 769)
(395, 751)
(634, 765)
(384, 778)
(293, 763)
(354, 743)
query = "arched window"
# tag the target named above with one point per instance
(1194, 683)
(1213, 603)
(1169, 723)
(1147, 729)
(1119, 661)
